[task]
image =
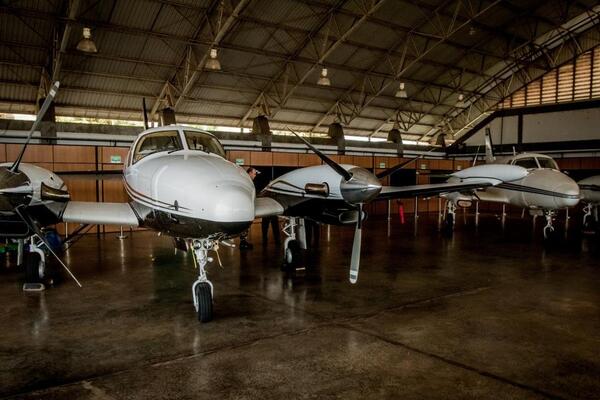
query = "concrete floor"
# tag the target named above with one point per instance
(486, 314)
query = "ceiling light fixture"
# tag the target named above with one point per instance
(213, 62)
(323, 79)
(86, 44)
(401, 93)
(461, 101)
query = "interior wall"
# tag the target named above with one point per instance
(561, 126)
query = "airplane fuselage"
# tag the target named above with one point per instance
(545, 187)
(188, 193)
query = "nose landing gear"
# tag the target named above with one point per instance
(549, 228)
(202, 289)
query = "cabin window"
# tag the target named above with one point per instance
(528, 163)
(157, 142)
(204, 142)
(547, 163)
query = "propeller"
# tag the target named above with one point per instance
(335, 166)
(398, 167)
(356, 247)
(357, 241)
(41, 113)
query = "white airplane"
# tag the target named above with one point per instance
(590, 195)
(543, 189)
(182, 185)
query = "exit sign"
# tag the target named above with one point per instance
(382, 165)
(239, 161)
(115, 159)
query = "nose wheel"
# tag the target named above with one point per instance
(202, 289)
(448, 226)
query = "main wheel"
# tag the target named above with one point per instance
(292, 254)
(205, 306)
(448, 227)
(34, 268)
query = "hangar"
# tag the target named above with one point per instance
(299, 198)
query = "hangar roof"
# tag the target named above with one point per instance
(457, 59)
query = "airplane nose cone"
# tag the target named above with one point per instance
(568, 192)
(361, 188)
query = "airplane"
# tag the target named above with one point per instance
(545, 189)
(181, 184)
(28, 197)
(590, 195)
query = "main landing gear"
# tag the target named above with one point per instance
(202, 289)
(450, 216)
(590, 217)
(292, 245)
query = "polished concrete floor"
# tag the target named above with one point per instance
(484, 314)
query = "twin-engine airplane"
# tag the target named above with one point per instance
(181, 184)
(543, 189)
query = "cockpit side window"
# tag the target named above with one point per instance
(547, 163)
(528, 163)
(157, 142)
(204, 142)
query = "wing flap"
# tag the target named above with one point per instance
(84, 212)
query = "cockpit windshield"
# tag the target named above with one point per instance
(547, 163)
(156, 142)
(204, 142)
(528, 163)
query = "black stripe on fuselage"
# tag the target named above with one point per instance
(530, 189)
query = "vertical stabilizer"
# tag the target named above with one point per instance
(489, 149)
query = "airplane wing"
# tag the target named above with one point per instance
(393, 192)
(266, 207)
(92, 213)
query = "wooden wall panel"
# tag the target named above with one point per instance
(2, 152)
(363, 161)
(45, 165)
(461, 164)
(35, 153)
(260, 158)
(74, 154)
(111, 167)
(446, 165)
(342, 159)
(233, 155)
(106, 152)
(384, 162)
(569, 163)
(305, 160)
(284, 159)
(590, 163)
(63, 167)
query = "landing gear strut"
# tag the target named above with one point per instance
(549, 228)
(202, 289)
(450, 217)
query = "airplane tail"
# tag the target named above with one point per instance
(489, 149)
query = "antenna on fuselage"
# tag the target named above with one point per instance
(145, 113)
(514, 151)
(49, 98)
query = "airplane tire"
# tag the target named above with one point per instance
(292, 254)
(33, 268)
(449, 224)
(205, 306)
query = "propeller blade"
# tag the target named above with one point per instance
(336, 167)
(22, 213)
(398, 167)
(356, 248)
(51, 94)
